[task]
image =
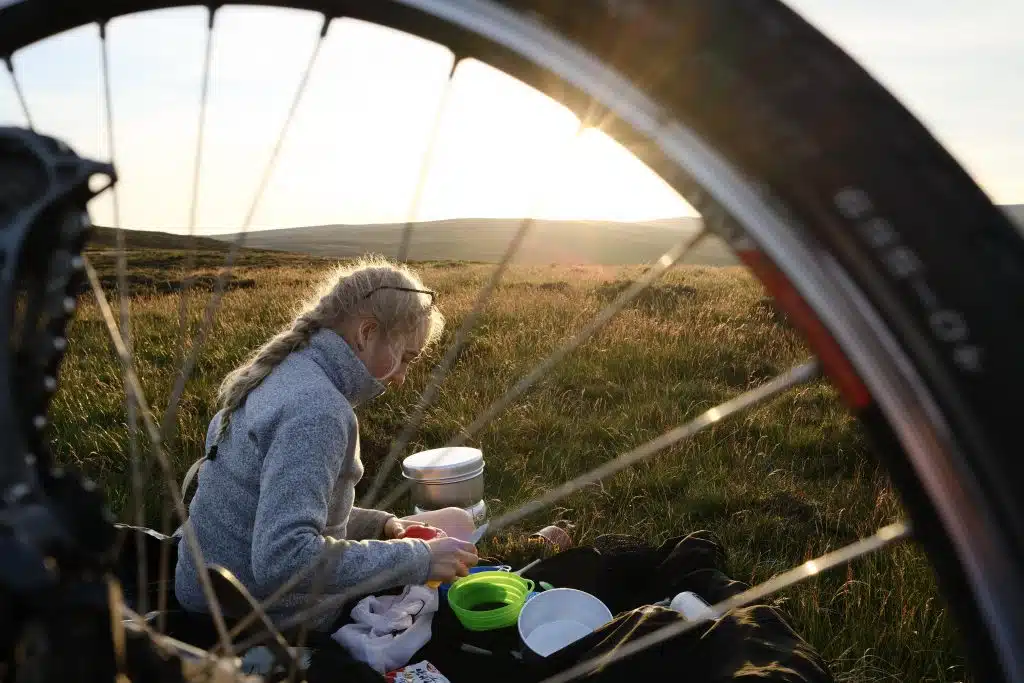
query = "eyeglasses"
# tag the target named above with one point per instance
(432, 294)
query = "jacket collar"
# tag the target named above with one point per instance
(339, 362)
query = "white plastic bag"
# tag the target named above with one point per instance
(388, 630)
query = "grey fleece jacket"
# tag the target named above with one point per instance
(281, 488)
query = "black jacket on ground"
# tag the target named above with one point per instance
(754, 643)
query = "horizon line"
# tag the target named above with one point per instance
(400, 224)
(219, 232)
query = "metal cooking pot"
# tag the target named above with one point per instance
(447, 477)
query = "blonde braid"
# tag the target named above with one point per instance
(237, 385)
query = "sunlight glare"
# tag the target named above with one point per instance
(356, 147)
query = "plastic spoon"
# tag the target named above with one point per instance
(479, 533)
(529, 566)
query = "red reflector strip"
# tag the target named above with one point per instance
(833, 361)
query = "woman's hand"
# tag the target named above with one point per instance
(450, 558)
(395, 527)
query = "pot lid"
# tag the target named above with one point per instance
(441, 464)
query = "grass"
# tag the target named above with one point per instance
(779, 484)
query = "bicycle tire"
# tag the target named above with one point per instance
(891, 214)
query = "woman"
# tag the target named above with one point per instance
(278, 487)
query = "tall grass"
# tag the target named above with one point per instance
(782, 483)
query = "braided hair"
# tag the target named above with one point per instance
(343, 295)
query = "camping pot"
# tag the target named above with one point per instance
(447, 477)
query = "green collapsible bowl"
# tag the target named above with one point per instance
(489, 600)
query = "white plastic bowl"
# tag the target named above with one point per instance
(557, 618)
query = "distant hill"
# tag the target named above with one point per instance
(561, 242)
(104, 237)
(485, 239)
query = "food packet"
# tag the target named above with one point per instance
(421, 672)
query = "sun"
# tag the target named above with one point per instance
(507, 150)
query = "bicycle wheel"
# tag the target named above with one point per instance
(905, 280)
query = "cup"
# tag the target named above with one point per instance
(424, 533)
(555, 536)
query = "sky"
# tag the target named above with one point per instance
(360, 142)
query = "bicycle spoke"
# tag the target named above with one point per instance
(167, 422)
(801, 374)
(126, 330)
(440, 372)
(115, 599)
(667, 260)
(224, 275)
(132, 620)
(885, 536)
(165, 566)
(428, 158)
(158, 454)
(20, 93)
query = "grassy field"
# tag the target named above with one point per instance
(780, 484)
